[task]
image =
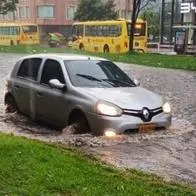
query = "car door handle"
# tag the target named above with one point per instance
(39, 94)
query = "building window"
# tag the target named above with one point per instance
(45, 11)
(10, 15)
(70, 12)
(21, 12)
(27, 12)
(24, 12)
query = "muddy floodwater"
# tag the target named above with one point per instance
(169, 153)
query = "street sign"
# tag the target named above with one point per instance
(187, 8)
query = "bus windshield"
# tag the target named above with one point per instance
(140, 29)
(29, 29)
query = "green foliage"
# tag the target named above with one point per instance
(138, 5)
(109, 10)
(152, 18)
(33, 168)
(7, 6)
(95, 10)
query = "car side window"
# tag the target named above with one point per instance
(29, 68)
(52, 70)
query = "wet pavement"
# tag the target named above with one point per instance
(169, 153)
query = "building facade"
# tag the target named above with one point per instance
(50, 15)
(178, 15)
(124, 8)
(56, 15)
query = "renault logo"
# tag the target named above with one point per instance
(146, 113)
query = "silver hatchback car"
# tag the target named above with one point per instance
(92, 93)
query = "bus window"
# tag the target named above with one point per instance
(115, 30)
(99, 31)
(78, 30)
(105, 30)
(87, 30)
(94, 31)
(17, 30)
(29, 29)
(140, 29)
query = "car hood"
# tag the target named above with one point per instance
(127, 98)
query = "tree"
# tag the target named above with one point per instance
(95, 10)
(153, 19)
(7, 6)
(138, 5)
(109, 11)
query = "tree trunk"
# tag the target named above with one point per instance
(131, 37)
(136, 10)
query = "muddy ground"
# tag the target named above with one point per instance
(169, 153)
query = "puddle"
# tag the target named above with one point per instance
(22, 125)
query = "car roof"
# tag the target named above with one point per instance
(63, 57)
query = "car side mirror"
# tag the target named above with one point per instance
(55, 83)
(136, 82)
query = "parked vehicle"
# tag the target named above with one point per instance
(92, 93)
(111, 36)
(56, 40)
(19, 33)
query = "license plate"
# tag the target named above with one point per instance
(146, 128)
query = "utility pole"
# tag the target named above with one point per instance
(172, 22)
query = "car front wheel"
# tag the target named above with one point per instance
(79, 123)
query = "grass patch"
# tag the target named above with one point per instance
(33, 168)
(155, 60)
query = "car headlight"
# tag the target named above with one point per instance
(166, 108)
(109, 109)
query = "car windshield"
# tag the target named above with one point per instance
(94, 73)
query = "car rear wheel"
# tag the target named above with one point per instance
(11, 105)
(79, 123)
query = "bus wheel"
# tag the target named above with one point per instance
(11, 43)
(141, 51)
(106, 49)
(81, 47)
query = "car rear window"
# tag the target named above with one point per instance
(29, 68)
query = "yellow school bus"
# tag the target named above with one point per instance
(109, 36)
(19, 33)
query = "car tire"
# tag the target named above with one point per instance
(11, 105)
(79, 123)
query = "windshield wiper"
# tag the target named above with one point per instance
(92, 78)
(89, 77)
(119, 83)
(113, 82)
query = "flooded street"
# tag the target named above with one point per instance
(168, 153)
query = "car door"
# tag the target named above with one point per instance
(51, 103)
(26, 81)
